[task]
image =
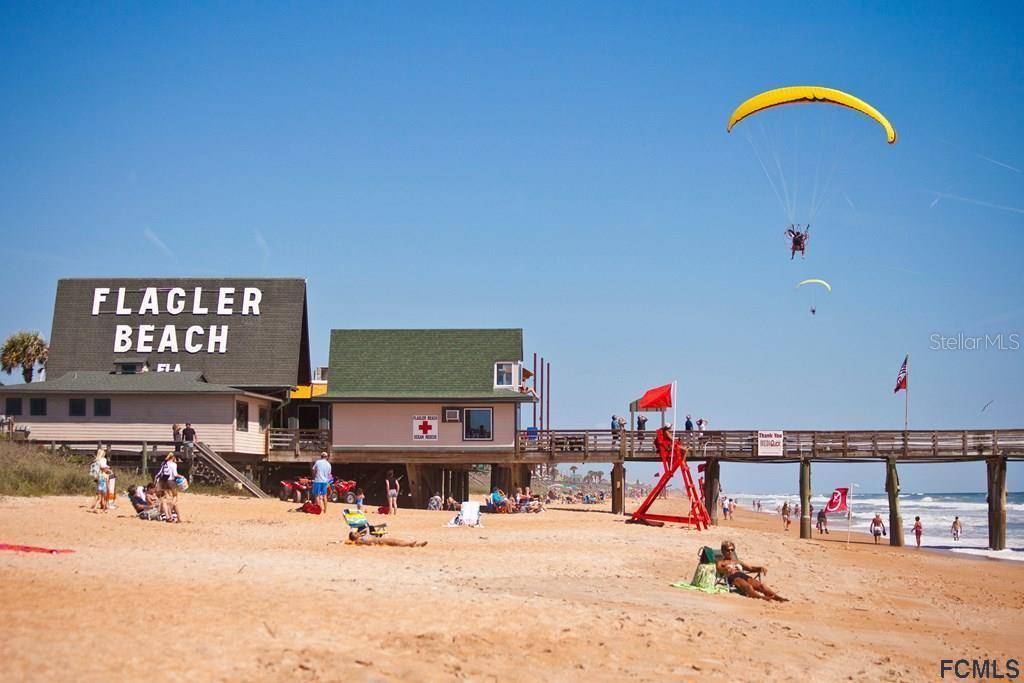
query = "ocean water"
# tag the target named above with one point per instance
(936, 511)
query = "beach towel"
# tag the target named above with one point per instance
(470, 511)
(32, 549)
(703, 580)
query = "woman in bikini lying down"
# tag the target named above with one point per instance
(735, 572)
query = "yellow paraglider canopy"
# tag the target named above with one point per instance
(808, 93)
(816, 281)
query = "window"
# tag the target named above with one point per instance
(101, 407)
(241, 416)
(37, 406)
(451, 415)
(76, 407)
(264, 418)
(477, 424)
(504, 374)
(12, 406)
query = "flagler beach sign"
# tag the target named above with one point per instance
(147, 338)
(770, 443)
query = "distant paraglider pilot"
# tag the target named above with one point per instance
(798, 239)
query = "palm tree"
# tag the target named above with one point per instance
(24, 350)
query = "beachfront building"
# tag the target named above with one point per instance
(431, 402)
(129, 358)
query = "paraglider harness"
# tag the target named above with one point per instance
(798, 238)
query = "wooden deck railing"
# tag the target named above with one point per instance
(298, 440)
(914, 445)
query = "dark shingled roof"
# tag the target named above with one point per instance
(270, 350)
(93, 382)
(421, 364)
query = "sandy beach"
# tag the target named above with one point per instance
(245, 590)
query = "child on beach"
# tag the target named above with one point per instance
(918, 530)
(359, 499)
(112, 491)
(102, 477)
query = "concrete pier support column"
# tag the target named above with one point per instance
(712, 488)
(805, 498)
(892, 487)
(618, 488)
(997, 503)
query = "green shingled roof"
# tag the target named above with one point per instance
(421, 364)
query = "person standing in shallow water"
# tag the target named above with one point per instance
(957, 528)
(918, 530)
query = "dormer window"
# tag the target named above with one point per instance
(505, 375)
(130, 366)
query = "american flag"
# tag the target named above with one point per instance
(901, 378)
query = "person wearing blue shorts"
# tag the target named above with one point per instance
(322, 478)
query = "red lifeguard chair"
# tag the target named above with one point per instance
(673, 459)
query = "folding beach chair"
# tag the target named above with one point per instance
(470, 513)
(357, 521)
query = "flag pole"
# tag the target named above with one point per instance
(906, 398)
(849, 513)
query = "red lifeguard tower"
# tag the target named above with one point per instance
(673, 459)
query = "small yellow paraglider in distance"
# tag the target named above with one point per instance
(814, 281)
(806, 94)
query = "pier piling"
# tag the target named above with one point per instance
(805, 498)
(892, 487)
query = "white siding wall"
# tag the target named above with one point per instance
(390, 424)
(146, 418)
(253, 440)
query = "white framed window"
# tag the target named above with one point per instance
(478, 424)
(506, 375)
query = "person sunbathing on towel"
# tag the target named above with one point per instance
(358, 539)
(735, 572)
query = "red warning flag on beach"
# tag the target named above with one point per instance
(901, 378)
(837, 503)
(656, 398)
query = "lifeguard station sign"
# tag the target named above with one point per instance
(770, 443)
(241, 332)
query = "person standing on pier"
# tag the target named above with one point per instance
(615, 429)
(641, 426)
(689, 423)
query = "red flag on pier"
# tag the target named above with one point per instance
(656, 398)
(837, 503)
(901, 378)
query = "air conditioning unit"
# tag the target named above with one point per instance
(452, 415)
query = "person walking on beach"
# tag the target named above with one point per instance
(877, 527)
(323, 475)
(785, 516)
(918, 530)
(957, 528)
(392, 487)
(167, 488)
(822, 522)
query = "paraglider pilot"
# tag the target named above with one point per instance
(798, 239)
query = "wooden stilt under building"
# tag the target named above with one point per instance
(892, 487)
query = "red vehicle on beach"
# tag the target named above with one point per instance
(300, 488)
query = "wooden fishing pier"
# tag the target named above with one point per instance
(993, 447)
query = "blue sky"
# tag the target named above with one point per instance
(564, 169)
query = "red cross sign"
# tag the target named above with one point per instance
(424, 427)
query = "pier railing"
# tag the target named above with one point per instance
(742, 445)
